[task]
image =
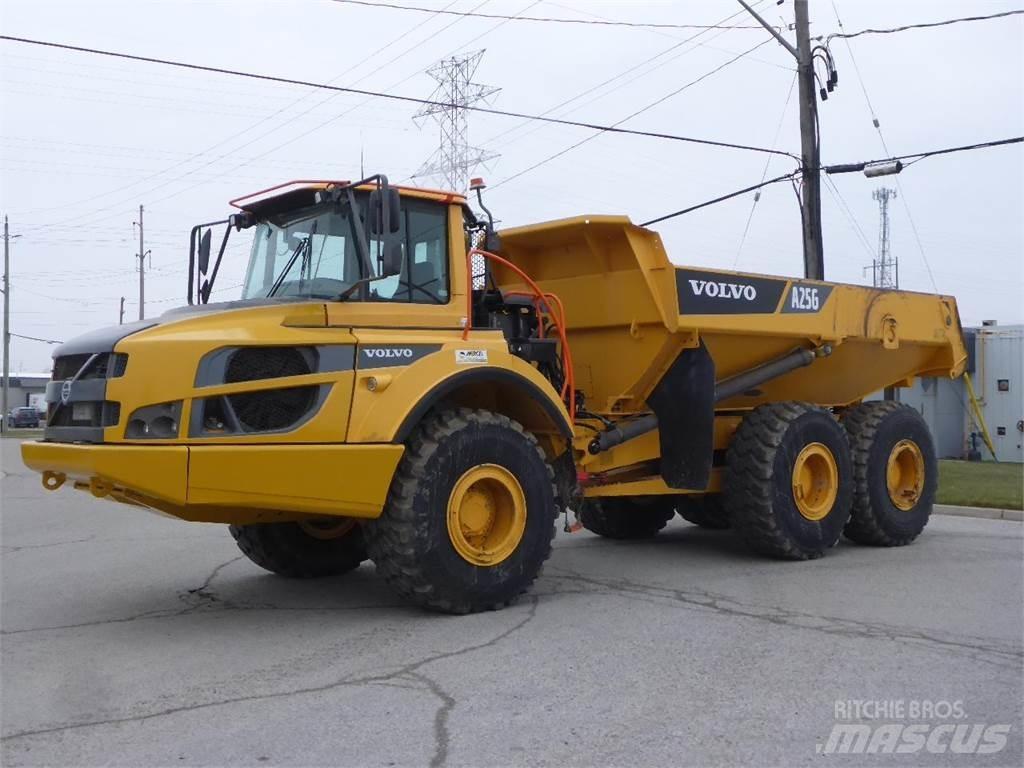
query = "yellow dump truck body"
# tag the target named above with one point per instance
(630, 312)
(441, 433)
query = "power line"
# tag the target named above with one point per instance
(671, 35)
(927, 25)
(318, 126)
(830, 185)
(543, 19)
(722, 198)
(259, 122)
(615, 129)
(36, 338)
(964, 148)
(391, 96)
(922, 155)
(678, 44)
(832, 169)
(764, 174)
(918, 156)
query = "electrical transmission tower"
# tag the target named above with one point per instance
(885, 269)
(454, 160)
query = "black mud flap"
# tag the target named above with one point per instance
(684, 402)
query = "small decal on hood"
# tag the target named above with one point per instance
(470, 356)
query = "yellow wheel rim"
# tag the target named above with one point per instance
(486, 515)
(815, 481)
(327, 528)
(904, 474)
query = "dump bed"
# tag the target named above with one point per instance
(631, 311)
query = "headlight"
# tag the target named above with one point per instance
(154, 422)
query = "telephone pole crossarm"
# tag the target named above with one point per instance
(775, 33)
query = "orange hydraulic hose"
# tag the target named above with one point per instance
(568, 387)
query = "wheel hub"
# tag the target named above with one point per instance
(320, 528)
(815, 481)
(486, 515)
(904, 474)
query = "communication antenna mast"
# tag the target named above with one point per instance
(885, 269)
(454, 160)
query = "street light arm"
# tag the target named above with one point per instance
(782, 41)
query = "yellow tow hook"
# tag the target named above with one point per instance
(53, 480)
(100, 488)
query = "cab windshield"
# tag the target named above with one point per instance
(312, 252)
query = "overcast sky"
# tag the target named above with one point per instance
(85, 139)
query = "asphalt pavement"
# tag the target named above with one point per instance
(132, 639)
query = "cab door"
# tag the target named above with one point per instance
(430, 290)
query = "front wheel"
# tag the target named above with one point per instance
(706, 511)
(625, 517)
(303, 550)
(470, 515)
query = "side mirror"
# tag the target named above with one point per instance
(204, 251)
(385, 211)
(391, 258)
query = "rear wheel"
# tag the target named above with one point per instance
(303, 550)
(788, 486)
(895, 474)
(626, 518)
(470, 515)
(707, 511)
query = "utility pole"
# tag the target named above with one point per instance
(142, 271)
(810, 155)
(7, 322)
(120, 317)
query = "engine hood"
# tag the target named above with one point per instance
(105, 339)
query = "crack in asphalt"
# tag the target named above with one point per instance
(18, 548)
(196, 599)
(410, 670)
(201, 596)
(977, 648)
(442, 736)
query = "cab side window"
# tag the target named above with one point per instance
(424, 276)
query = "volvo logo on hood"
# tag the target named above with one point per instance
(386, 355)
(395, 352)
(65, 392)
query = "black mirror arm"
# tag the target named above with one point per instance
(216, 265)
(192, 261)
(362, 242)
(193, 278)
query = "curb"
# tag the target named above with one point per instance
(990, 514)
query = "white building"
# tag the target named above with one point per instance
(996, 365)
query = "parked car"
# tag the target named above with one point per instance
(23, 417)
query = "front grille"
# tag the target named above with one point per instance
(67, 366)
(253, 363)
(106, 365)
(84, 414)
(272, 409)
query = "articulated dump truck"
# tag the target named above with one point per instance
(401, 383)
